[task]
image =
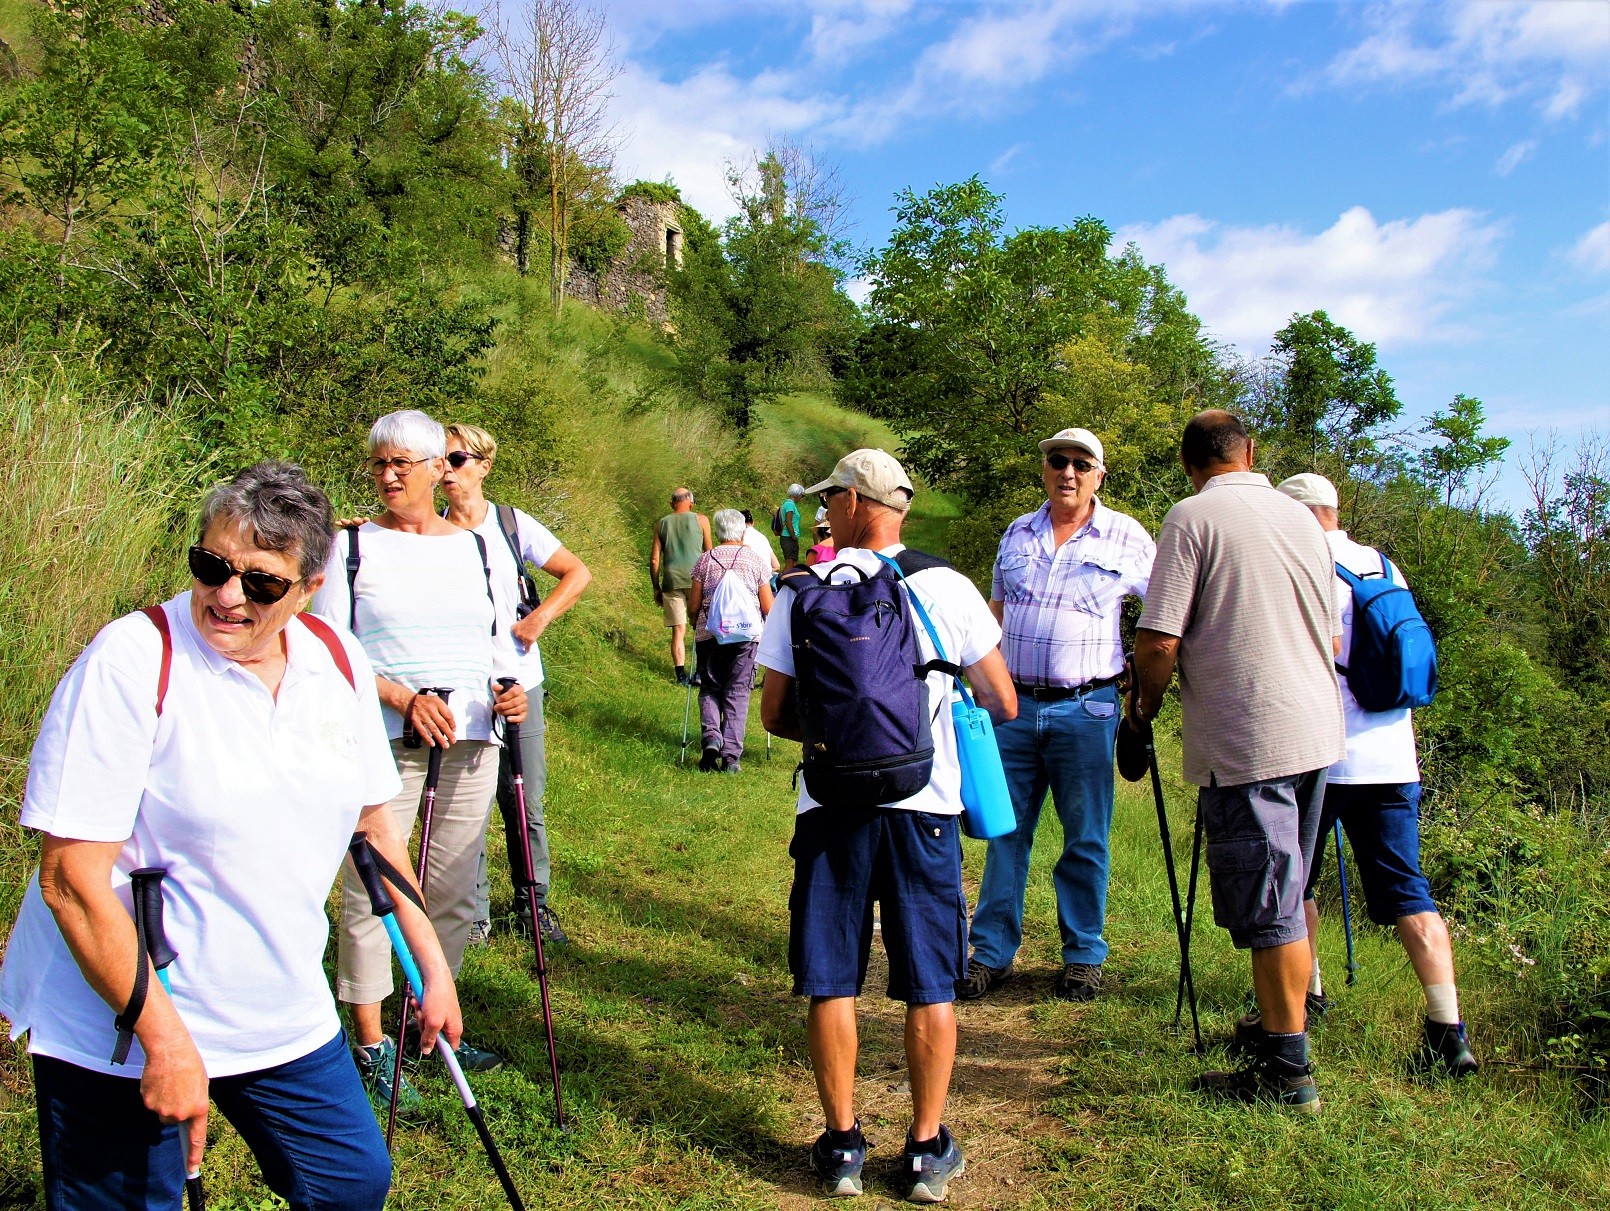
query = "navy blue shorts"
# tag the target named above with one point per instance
(1382, 823)
(910, 864)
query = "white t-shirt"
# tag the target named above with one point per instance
(249, 803)
(756, 541)
(967, 629)
(1380, 744)
(425, 618)
(537, 546)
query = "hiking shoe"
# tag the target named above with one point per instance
(1078, 982)
(925, 1175)
(474, 1059)
(731, 766)
(480, 933)
(839, 1168)
(981, 980)
(1444, 1051)
(710, 763)
(552, 933)
(376, 1064)
(1267, 1080)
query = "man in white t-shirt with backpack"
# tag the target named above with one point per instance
(885, 829)
(1374, 791)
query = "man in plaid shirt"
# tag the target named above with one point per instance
(1061, 576)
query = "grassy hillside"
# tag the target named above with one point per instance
(683, 1055)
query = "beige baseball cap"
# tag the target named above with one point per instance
(1311, 489)
(1075, 439)
(875, 474)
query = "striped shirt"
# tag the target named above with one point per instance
(1061, 605)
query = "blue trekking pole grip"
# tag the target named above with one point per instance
(146, 890)
(385, 908)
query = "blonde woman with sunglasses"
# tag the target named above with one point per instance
(416, 591)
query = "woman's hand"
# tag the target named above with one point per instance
(440, 1013)
(174, 1087)
(432, 719)
(511, 703)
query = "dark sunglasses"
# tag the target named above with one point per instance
(214, 571)
(1060, 462)
(457, 458)
(824, 497)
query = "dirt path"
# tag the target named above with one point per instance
(1006, 1073)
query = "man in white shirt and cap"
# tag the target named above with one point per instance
(1374, 792)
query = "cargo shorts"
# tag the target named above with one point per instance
(1261, 838)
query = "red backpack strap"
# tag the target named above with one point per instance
(331, 640)
(159, 619)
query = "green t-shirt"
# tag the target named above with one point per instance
(681, 544)
(790, 518)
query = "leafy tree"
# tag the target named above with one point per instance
(983, 342)
(1330, 401)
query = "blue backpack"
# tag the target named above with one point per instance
(1393, 660)
(860, 686)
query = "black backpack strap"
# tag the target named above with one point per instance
(486, 570)
(911, 562)
(353, 560)
(510, 525)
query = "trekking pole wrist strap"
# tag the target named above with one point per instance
(130, 1017)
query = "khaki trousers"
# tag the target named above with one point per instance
(464, 794)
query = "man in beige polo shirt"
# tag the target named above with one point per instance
(1241, 599)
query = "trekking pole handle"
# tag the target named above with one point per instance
(146, 885)
(380, 901)
(511, 731)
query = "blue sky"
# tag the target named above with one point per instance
(1434, 174)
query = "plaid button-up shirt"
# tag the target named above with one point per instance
(1061, 605)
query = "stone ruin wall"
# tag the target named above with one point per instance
(635, 278)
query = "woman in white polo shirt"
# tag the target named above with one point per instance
(237, 747)
(417, 592)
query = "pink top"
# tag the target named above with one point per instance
(821, 552)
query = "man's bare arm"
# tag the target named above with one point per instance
(778, 714)
(1155, 654)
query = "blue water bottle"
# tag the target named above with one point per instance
(987, 804)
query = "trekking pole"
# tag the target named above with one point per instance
(385, 908)
(1190, 916)
(687, 708)
(146, 886)
(433, 775)
(1347, 911)
(1186, 985)
(511, 739)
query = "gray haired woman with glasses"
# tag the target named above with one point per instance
(416, 592)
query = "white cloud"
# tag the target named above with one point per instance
(1592, 251)
(1392, 282)
(1552, 51)
(1001, 162)
(1515, 156)
(843, 29)
(692, 128)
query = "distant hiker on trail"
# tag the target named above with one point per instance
(515, 543)
(729, 600)
(1375, 792)
(841, 657)
(416, 590)
(1061, 576)
(679, 538)
(1242, 598)
(788, 526)
(756, 541)
(215, 753)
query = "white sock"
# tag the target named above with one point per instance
(1442, 1003)
(1314, 984)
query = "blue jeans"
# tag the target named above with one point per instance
(1065, 747)
(307, 1122)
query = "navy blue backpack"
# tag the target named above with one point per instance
(860, 686)
(1393, 660)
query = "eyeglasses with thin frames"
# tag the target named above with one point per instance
(402, 466)
(1060, 462)
(214, 571)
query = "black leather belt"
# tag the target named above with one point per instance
(1056, 693)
